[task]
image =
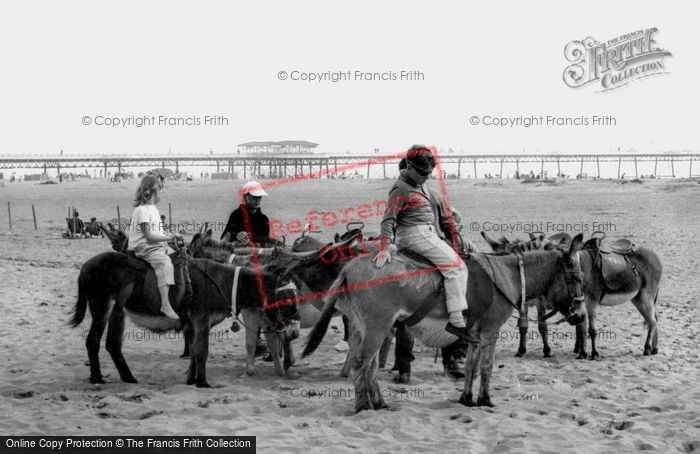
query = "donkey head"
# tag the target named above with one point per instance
(115, 236)
(567, 293)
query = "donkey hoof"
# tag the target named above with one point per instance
(594, 356)
(185, 355)
(547, 355)
(203, 385)
(654, 351)
(582, 355)
(96, 380)
(291, 375)
(484, 402)
(466, 400)
(190, 381)
(130, 379)
(520, 353)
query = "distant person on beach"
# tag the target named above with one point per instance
(148, 240)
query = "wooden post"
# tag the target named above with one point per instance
(9, 214)
(217, 166)
(656, 162)
(580, 172)
(500, 172)
(320, 169)
(384, 168)
(368, 170)
(475, 174)
(597, 160)
(459, 168)
(119, 218)
(335, 165)
(673, 172)
(517, 167)
(635, 168)
(619, 164)
(542, 169)
(558, 169)
(34, 217)
(690, 171)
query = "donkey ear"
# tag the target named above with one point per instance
(531, 235)
(488, 239)
(576, 243)
(207, 235)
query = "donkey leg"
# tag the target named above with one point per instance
(376, 394)
(99, 310)
(542, 328)
(522, 327)
(289, 360)
(487, 346)
(384, 349)
(188, 334)
(353, 347)
(592, 331)
(115, 333)
(581, 339)
(273, 342)
(645, 305)
(251, 318)
(365, 381)
(470, 373)
(200, 351)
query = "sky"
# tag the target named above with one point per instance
(64, 62)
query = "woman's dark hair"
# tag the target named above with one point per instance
(421, 158)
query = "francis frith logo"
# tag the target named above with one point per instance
(614, 63)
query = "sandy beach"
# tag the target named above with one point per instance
(622, 402)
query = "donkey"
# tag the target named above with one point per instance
(545, 310)
(614, 274)
(204, 246)
(111, 287)
(407, 290)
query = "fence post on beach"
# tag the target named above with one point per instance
(368, 170)
(34, 217)
(119, 219)
(9, 215)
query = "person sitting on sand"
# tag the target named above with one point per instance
(147, 239)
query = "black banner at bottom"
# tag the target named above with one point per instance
(137, 444)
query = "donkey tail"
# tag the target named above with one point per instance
(321, 326)
(81, 305)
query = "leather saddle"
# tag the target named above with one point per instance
(612, 259)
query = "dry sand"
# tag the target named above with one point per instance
(623, 402)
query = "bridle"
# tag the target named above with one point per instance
(574, 282)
